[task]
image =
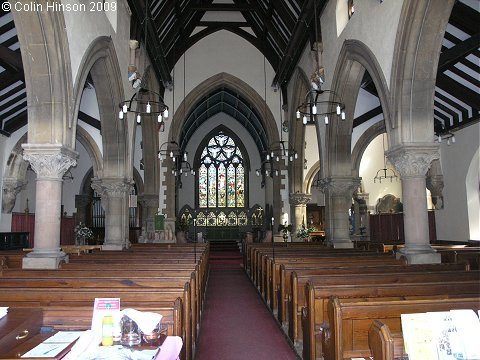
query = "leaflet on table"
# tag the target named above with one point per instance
(53, 345)
(3, 311)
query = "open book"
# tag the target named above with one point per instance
(443, 335)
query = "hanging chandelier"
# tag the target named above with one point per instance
(385, 173)
(319, 103)
(144, 103)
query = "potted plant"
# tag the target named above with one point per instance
(303, 233)
(82, 234)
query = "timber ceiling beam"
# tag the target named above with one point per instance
(457, 90)
(453, 55)
(154, 48)
(12, 59)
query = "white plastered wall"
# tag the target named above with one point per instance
(460, 164)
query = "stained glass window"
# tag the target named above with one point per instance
(221, 176)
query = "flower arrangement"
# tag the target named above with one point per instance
(304, 232)
(82, 233)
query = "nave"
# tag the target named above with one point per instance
(235, 323)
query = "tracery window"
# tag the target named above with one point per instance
(221, 175)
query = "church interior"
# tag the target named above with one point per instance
(278, 179)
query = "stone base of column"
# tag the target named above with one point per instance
(44, 262)
(420, 255)
(341, 244)
(112, 247)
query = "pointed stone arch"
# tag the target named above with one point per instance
(355, 58)
(222, 80)
(100, 60)
(415, 61)
(48, 76)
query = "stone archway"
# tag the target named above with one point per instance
(222, 80)
(114, 179)
(14, 179)
(50, 148)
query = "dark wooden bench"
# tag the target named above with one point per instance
(314, 315)
(350, 320)
(383, 344)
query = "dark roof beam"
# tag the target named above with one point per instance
(13, 59)
(465, 18)
(457, 90)
(16, 123)
(367, 116)
(223, 7)
(227, 23)
(451, 56)
(156, 53)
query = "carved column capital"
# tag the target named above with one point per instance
(149, 200)
(112, 187)
(343, 186)
(413, 160)
(11, 188)
(49, 161)
(299, 198)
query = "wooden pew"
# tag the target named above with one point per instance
(314, 315)
(350, 320)
(383, 344)
(287, 282)
(45, 297)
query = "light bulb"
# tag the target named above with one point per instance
(298, 114)
(186, 174)
(304, 120)
(138, 119)
(439, 138)
(185, 156)
(268, 157)
(173, 171)
(149, 107)
(160, 119)
(257, 172)
(338, 109)
(453, 139)
(291, 158)
(343, 115)
(296, 156)
(267, 172)
(314, 109)
(124, 108)
(278, 158)
(326, 120)
(271, 154)
(192, 172)
(165, 113)
(171, 154)
(120, 115)
(181, 171)
(276, 172)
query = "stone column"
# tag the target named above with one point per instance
(339, 191)
(412, 162)
(114, 193)
(50, 162)
(11, 188)
(81, 203)
(298, 206)
(361, 199)
(149, 209)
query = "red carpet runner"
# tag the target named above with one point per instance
(236, 324)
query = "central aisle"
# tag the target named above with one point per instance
(236, 323)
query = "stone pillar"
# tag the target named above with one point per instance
(412, 162)
(339, 191)
(298, 205)
(11, 188)
(361, 199)
(50, 162)
(149, 209)
(81, 203)
(114, 193)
